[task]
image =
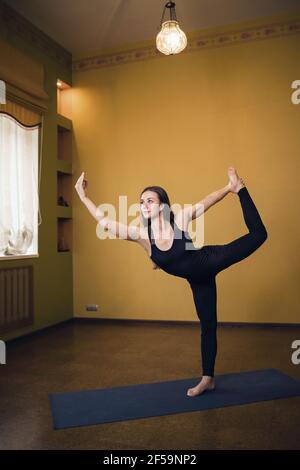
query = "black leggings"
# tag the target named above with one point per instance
(221, 257)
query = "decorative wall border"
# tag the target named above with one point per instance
(196, 44)
(17, 24)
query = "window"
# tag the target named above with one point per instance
(19, 194)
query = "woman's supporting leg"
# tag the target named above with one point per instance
(223, 256)
(205, 298)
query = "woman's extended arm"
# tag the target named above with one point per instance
(90, 205)
(202, 206)
(117, 229)
(193, 211)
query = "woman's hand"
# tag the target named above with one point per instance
(81, 185)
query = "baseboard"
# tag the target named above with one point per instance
(190, 322)
(46, 329)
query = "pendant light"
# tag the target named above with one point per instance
(171, 39)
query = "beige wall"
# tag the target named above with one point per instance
(179, 122)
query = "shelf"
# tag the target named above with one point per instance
(64, 145)
(64, 212)
(64, 167)
(64, 98)
(63, 123)
(64, 235)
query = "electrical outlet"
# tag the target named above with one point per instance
(91, 307)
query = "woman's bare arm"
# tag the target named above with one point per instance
(117, 229)
(200, 207)
(193, 211)
(90, 205)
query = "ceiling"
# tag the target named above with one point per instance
(84, 26)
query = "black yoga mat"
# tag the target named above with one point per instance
(106, 405)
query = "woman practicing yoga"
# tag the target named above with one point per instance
(199, 267)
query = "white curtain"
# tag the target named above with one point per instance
(19, 151)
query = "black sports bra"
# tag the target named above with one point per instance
(183, 259)
(178, 247)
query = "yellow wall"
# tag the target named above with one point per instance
(179, 122)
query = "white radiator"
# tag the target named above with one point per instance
(16, 298)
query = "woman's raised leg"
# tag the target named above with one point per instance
(222, 256)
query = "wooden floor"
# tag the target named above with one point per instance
(86, 355)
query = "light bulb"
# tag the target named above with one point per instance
(171, 39)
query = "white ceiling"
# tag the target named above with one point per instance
(84, 26)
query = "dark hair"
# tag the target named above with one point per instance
(163, 199)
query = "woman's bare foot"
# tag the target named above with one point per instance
(206, 383)
(235, 182)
